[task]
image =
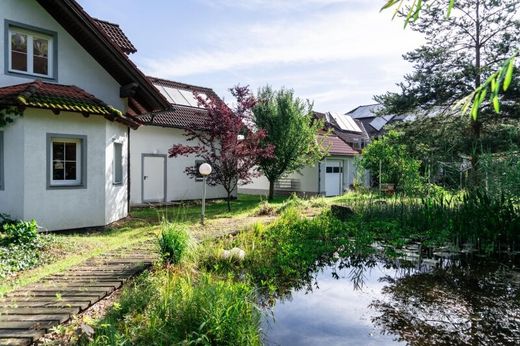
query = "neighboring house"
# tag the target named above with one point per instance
(153, 176)
(64, 162)
(333, 175)
(375, 124)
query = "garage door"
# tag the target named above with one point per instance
(333, 172)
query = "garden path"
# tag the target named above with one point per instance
(28, 313)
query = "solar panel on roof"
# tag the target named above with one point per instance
(346, 123)
(378, 123)
(164, 93)
(351, 123)
(177, 97)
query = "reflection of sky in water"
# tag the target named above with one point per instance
(333, 314)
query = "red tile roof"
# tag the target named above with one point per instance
(57, 97)
(337, 146)
(116, 35)
(178, 116)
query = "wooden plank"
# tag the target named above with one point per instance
(37, 311)
(21, 333)
(28, 325)
(94, 295)
(55, 304)
(60, 318)
(15, 341)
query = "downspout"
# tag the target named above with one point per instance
(128, 171)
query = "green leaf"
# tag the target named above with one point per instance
(482, 96)
(496, 104)
(474, 110)
(509, 74)
(450, 7)
(389, 4)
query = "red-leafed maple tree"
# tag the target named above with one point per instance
(226, 142)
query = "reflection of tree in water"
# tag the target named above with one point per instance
(470, 304)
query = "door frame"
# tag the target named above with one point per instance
(143, 156)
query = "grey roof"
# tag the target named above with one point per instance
(366, 111)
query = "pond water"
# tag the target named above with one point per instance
(375, 301)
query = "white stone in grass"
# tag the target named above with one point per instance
(234, 253)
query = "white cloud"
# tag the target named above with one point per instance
(322, 37)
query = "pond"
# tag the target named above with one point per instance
(372, 300)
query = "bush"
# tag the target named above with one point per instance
(19, 232)
(174, 242)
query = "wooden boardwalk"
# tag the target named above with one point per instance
(28, 313)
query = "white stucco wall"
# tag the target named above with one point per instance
(70, 207)
(116, 195)
(75, 65)
(179, 186)
(12, 197)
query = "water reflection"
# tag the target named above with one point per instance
(373, 300)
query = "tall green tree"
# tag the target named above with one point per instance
(291, 128)
(460, 52)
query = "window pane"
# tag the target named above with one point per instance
(41, 56)
(58, 171)
(58, 151)
(18, 51)
(70, 151)
(70, 170)
(118, 163)
(329, 170)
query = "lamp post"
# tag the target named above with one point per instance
(204, 170)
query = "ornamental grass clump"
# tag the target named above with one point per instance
(174, 242)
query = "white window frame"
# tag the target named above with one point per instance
(79, 167)
(31, 35)
(116, 163)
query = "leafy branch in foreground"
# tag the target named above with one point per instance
(411, 10)
(497, 82)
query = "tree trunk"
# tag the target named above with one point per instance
(476, 124)
(271, 190)
(228, 201)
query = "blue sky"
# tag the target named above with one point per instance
(336, 53)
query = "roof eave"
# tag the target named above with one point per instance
(81, 26)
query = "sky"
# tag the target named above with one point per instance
(337, 54)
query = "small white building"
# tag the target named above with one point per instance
(153, 176)
(332, 176)
(64, 162)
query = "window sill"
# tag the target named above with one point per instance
(117, 184)
(31, 76)
(66, 187)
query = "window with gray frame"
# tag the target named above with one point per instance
(30, 50)
(66, 161)
(1, 160)
(118, 163)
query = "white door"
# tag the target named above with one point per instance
(333, 171)
(154, 174)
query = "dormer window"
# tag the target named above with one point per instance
(30, 52)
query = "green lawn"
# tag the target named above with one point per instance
(68, 249)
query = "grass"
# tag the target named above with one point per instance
(175, 306)
(69, 249)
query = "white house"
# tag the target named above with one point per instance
(153, 176)
(64, 162)
(333, 175)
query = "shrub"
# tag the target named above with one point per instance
(174, 242)
(19, 232)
